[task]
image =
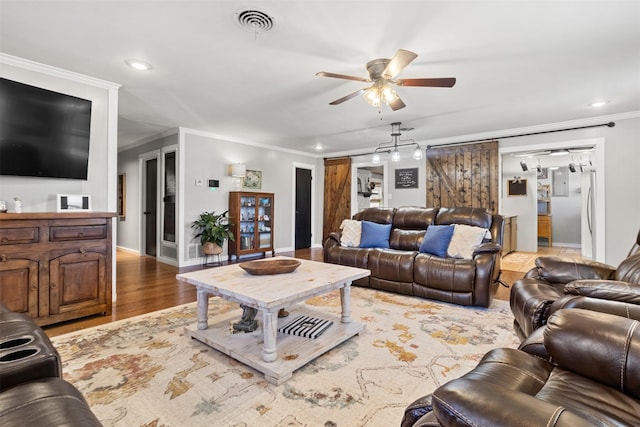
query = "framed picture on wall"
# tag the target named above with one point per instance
(517, 187)
(407, 178)
(73, 203)
(543, 173)
(252, 180)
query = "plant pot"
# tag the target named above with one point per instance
(209, 248)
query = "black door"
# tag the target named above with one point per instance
(150, 211)
(303, 208)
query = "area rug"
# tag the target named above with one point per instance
(146, 372)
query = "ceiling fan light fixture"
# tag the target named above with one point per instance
(378, 94)
(372, 96)
(388, 94)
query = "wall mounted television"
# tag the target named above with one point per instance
(43, 133)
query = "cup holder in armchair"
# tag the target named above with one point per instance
(16, 342)
(26, 353)
(21, 354)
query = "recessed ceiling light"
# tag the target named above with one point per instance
(318, 147)
(138, 65)
(598, 104)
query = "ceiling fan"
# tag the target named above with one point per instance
(382, 71)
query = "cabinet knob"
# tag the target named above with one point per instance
(82, 250)
(3, 258)
(80, 234)
(5, 239)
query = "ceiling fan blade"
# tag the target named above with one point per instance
(348, 97)
(342, 76)
(400, 60)
(439, 82)
(397, 104)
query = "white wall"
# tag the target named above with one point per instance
(39, 194)
(524, 207)
(203, 156)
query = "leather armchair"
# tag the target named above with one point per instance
(593, 380)
(556, 283)
(32, 391)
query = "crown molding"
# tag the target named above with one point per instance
(212, 135)
(56, 72)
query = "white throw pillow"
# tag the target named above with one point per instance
(351, 231)
(465, 239)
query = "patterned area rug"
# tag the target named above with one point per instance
(144, 371)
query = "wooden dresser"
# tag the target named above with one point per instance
(56, 266)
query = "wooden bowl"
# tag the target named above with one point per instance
(274, 266)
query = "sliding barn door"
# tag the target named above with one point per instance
(337, 194)
(463, 175)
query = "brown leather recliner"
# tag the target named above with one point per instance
(556, 283)
(32, 391)
(592, 379)
(401, 268)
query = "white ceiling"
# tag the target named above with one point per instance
(517, 63)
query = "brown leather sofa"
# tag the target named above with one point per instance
(403, 269)
(556, 283)
(32, 391)
(593, 379)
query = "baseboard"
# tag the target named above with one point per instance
(567, 245)
(128, 250)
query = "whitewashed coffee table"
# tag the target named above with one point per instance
(275, 354)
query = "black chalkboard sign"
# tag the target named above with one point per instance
(517, 187)
(407, 178)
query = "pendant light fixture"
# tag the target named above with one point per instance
(394, 146)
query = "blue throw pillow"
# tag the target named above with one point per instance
(374, 235)
(436, 240)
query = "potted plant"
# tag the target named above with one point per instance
(213, 230)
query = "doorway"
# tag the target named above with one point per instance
(303, 209)
(150, 211)
(369, 186)
(574, 182)
(303, 198)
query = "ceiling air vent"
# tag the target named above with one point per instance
(255, 21)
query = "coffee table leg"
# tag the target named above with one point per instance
(203, 309)
(270, 330)
(345, 300)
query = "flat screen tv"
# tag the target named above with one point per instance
(43, 133)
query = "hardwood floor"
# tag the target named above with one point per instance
(144, 285)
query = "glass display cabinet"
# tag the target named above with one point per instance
(252, 216)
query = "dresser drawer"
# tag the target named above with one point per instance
(13, 236)
(85, 232)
